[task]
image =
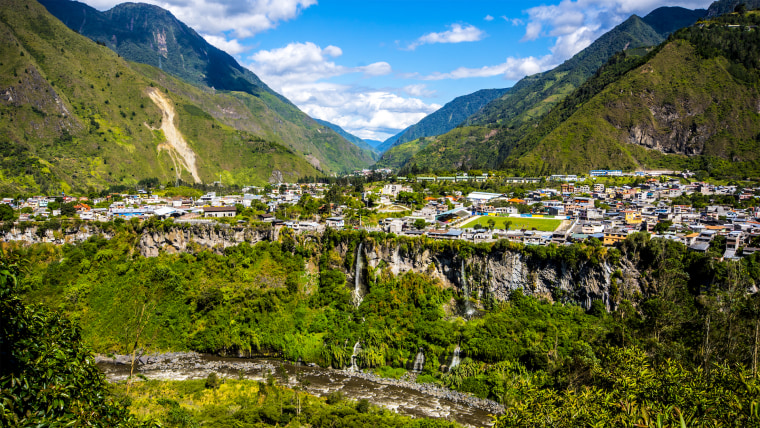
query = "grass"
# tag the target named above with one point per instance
(517, 223)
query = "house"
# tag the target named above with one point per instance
(612, 237)
(219, 212)
(335, 222)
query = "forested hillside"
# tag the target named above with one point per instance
(691, 104)
(534, 96)
(76, 116)
(446, 118)
(150, 35)
(692, 318)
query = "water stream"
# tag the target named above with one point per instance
(357, 295)
(417, 400)
(455, 358)
(468, 309)
(419, 362)
(354, 367)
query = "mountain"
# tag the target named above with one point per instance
(446, 118)
(374, 143)
(77, 116)
(692, 103)
(150, 35)
(723, 7)
(535, 95)
(353, 139)
(530, 99)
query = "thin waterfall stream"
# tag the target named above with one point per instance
(357, 294)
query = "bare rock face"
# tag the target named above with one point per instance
(200, 237)
(497, 274)
(65, 235)
(276, 177)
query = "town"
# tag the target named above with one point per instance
(601, 208)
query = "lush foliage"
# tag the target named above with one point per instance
(691, 318)
(242, 403)
(47, 376)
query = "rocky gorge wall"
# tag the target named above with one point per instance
(480, 275)
(496, 274)
(152, 240)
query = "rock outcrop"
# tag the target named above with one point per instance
(201, 237)
(495, 275)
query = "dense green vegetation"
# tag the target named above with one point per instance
(47, 376)
(691, 319)
(685, 104)
(150, 35)
(82, 117)
(241, 403)
(358, 142)
(700, 87)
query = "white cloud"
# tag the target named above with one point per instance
(244, 18)
(511, 69)
(366, 113)
(232, 47)
(568, 16)
(488, 18)
(514, 21)
(457, 34)
(306, 62)
(573, 24)
(419, 90)
(300, 71)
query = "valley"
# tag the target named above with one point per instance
(181, 245)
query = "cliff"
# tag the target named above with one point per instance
(494, 275)
(480, 273)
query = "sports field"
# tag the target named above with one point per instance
(543, 224)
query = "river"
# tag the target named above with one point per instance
(405, 397)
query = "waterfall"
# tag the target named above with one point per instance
(455, 358)
(357, 294)
(468, 310)
(419, 362)
(354, 367)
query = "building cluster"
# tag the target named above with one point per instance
(144, 205)
(593, 210)
(586, 210)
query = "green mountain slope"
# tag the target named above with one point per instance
(525, 104)
(353, 139)
(533, 96)
(723, 7)
(694, 104)
(75, 115)
(150, 35)
(446, 118)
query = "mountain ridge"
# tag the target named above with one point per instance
(75, 115)
(151, 35)
(448, 117)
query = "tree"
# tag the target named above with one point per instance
(68, 210)
(420, 223)
(6, 212)
(491, 223)
(47, 376)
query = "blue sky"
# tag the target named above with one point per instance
(375, 67)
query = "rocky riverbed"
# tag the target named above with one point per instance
(401, 395)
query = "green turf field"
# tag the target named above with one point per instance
(543, 224)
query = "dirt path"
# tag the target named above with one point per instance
(180, 152)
